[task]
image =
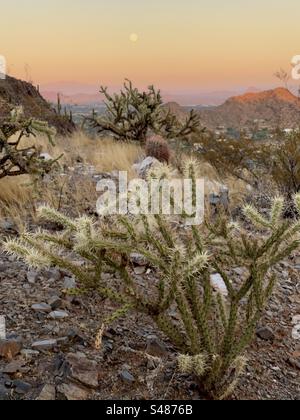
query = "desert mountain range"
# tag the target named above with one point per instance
(277, 107)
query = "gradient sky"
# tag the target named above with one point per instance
(183, 44)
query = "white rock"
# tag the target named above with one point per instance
(2, 328)
(296, 320)
(143, 167)
(44, 345)
(218, 284)
(46, 157)
(296, 332)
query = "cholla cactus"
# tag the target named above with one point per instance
(131, 114)
(15, 160)
(213, 329)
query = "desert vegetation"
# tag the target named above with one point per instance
(204, 290)
(132, 114)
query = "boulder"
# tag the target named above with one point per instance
(144, 167)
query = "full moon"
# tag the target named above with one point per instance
(133, 37)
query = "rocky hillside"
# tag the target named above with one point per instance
(278, 107)
(15, 92)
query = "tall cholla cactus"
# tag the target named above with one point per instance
(131, 114)
(18, 160)
(213, 328)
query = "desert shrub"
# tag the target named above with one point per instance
(285, 164)
(158, 147)
(132, 114)
(238, 158)
(15, 159)
(255, 162)
(213, 326)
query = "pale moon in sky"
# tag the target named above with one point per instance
(133, 37)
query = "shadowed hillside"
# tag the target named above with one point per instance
(15, 92)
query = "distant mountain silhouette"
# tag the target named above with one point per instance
(278, 107)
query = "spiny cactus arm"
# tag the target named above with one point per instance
(166, 325)
(273, 242)
(242, 342)
(277, 211)
(282, 254)
(119, 313)
(239, 368)
(130, 228)
(165, 231)
(222, 309)
(198, 239)
(126, 249)
(51, 215)
(297, 202)
(57, 239)
(152, 239)
(230, 333)
(193, 364)
(198, 311)
(256, 218)
(42, 127)
(53, 258)
(190, 126)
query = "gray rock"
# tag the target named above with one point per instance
(139, 270)
(29, 354)
(144, 167)
(73, 392)
(55, 302)
(3, 267)
(22, 387)
(83, 370)
(4, 393)
(220, 198)
(48, 393)
(69, 283)
(53, 273)
(156, 347)
(41, 307)
(13, 367)
(32, 276)
(58, 315)
(8, 226)
(127, 377)
(44, 345)
(265, 333)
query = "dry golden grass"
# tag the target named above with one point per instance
(18, 197)
(105, 154)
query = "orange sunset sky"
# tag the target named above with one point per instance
(179, 44)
